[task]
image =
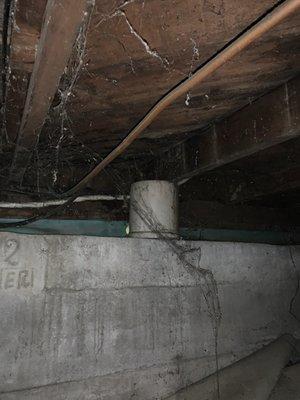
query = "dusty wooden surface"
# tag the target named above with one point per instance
(136, 50)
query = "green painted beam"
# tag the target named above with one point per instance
(103, 228)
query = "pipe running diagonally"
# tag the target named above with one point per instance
(271, 20)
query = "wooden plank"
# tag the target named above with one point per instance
(264, 185)
(263, 176)
(195, 214)
(62, 21)
(272, 119)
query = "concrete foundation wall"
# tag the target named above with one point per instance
(102, 318)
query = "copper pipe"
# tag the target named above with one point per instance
(272, 19)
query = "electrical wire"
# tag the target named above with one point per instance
(51, 203)
(42, 215)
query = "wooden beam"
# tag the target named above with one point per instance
(195, 214)
(62, 21)
(24, 43)
(266, 184)
(272, 119)
(253, 179)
